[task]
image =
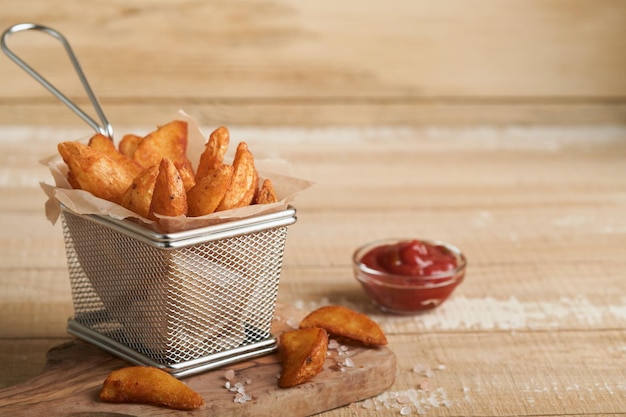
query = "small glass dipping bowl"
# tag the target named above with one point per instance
(402, 294)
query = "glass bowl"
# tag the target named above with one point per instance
(408, 294)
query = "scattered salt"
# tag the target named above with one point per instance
(237, 387)
(368, 404)
(336, 350)
(405, 411)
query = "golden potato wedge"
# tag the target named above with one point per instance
(186, 173)
(72, 180)
(265, 194)
(245, 180)
(129, 143)
(149, 385)
(169, 197)
(347, 323)
(168, 141)
(106, 146)
(213, 155)
(304, 353)
(206, 195)
(138, 197)
(94, 171)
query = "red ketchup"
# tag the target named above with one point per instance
(408, 276)
(414, 259)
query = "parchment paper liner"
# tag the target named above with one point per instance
(81, 202)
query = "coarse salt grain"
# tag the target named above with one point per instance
(403, 399)
(229, 375)
(405, 411)
(420, 367)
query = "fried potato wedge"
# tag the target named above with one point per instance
(129, 144)
(94, 171)
(71, 178)
(304, 353)
(265, 194)
(149, 385)
(138, 197)
(186, 174)
(206, 195)
(245, 180)
(106, 146)
(344, 322)
(168, 141)
(213, 155)
(169, 197)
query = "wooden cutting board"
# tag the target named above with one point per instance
(74, 373)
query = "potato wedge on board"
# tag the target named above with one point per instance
(94, 171)
(347, 323)
(213, 155)
(206, 195)
(138, 197)
(169, 197)
(149, 385)
(304, 353)
(245, 180)
(106, 146)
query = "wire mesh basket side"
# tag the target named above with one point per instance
(173, 305)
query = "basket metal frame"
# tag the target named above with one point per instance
(170, 242)
(181, 369)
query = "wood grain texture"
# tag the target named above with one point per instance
(75, 371)
(284, 62)
(536, 328)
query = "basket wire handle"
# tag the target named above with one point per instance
(105, 129)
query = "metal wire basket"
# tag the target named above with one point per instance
(185, 302)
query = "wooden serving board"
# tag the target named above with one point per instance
(74, 373)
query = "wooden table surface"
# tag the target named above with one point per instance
(500, 129)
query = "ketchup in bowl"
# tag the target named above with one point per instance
(405, 276)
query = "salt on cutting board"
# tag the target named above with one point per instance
(75, 371)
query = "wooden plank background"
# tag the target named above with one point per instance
(536, 329)
(287, 62)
